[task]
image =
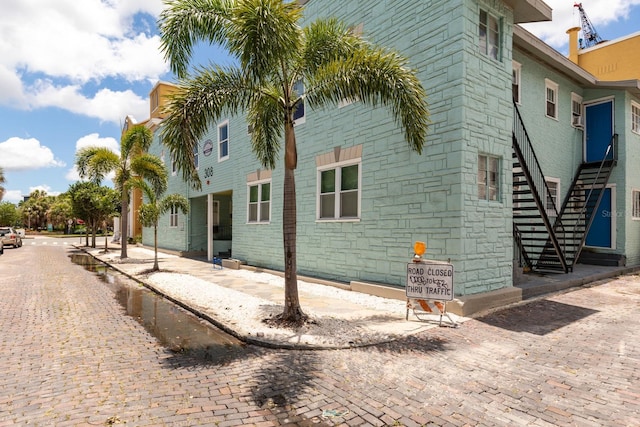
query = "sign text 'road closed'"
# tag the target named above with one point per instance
(430, 281)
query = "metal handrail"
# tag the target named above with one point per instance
(610, 149)
(532, 169)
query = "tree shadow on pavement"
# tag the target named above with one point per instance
(538, 317)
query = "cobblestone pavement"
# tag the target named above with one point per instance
(69, 356)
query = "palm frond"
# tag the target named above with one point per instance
(183, 23)
(265, 118)
(198, 103)
(328, 40)
(375, 76)
(177, 201)
(264, 34)
(94, 163)
(135, 141)
(151, 169)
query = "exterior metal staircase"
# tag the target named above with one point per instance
(547, 240)
(581, 204)
(532, 228)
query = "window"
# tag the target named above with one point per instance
(635, 200)
(259, 202)
(551, 99)
(154, 98)
(488, 177)
(195, 156)
(173, 216)
(223, 141)
(339, 192)
(489, 32)
(551, 199)
(576, 110)
(635, 117)
(515, 81)
(174, 166)
(299, 114)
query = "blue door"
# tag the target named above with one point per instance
(600, 231)
(598, 130)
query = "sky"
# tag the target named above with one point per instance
(71, 71)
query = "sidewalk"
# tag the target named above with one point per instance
(237, 301)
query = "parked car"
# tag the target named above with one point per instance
(10, 237)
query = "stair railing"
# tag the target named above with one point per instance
(533, 172)
(611, 148)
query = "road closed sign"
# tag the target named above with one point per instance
(430, 281)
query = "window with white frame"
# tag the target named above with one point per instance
(551, 198)
(195, 156)
(488, 177)
(489, 34)
(339, 191)
(173, 216)
(515, 81)
(635, 200)
(259, 209)
(174, 166)
(576, 110)
(299, 113)
(223, 140)
(551, 99)
(635, 117)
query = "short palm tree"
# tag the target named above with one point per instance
(274, 54)
(155, 205)
(2, 181)
(95, 163)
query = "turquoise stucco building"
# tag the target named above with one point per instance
(476, 195)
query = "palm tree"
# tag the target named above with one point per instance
(2, 181)
(274, 54)
(96, 162)
(155, 207)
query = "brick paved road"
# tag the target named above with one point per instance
(70, 356)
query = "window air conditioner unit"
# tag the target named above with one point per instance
(577, 121)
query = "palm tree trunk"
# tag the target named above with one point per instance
(156, 267)
(292, 311)
(124, 225)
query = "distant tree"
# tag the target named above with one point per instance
(155, 206)
(96, 162)
(8, 213)
(37, 208)
(61, 211)
(2, 181)
(94, 204)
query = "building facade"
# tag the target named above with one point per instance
(464, 195)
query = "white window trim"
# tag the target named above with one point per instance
(517, 68)
(174, 166)
(635, 206)
(259, 184)
(173, 217)
(498, 182)
(556, 201)
(636, 106)
(220, 125)
(488, 45)
(549, 84)
(196, 156)
(577, 118)
(340, 165)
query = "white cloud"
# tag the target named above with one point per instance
(13, 196)
(53, 52)
(106, 105)
(44, 188)
(565, 16)
(25, 154)
(94, 140)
